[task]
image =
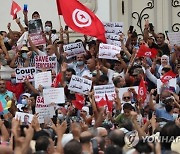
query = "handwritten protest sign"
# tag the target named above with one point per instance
(25, 73)
(54, 95)
(44, 79)
(174, 38)
(74, 49)
(100, 91)
(171, 84)
(43, 109)
(107, 51)
(25, 118)
(46, 62)
(113, 39)
(36, 32)
(80, 85)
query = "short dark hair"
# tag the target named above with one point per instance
(134, 34)
(103, 78)
(166, 69)
(49, 22)
(162, 35)
(128, 106)
(71, 70)
(113, 149)
(35, 12)
(42, 143)
(73, 147)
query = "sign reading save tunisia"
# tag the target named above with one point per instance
(81, 19)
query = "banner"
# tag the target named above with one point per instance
(54, 95)
(46, 62)
(43, 109)
(107, 51)
(74, 49)
(174, 38)
(100, 91)
(35, 29)
(25, 73)
(44, 79)
(80, 85)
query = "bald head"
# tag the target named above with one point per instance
(86, 137)
(102, 132)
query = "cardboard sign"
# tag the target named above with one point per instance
(113, 39)
(36, 32)
(25, 118)
(174, 38)
(43, 109)
(107, 51)
(80, 85)
(46, 62)
(44, 79)
(114, 27)
(100, 91)
(74, 49)
(25, 73)
(54, 95)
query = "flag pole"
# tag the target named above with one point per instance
(60, 21)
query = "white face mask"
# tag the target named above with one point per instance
(47, 29)
(5, 39)
(60, 116)
(175, 115)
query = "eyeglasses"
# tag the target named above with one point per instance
(126, 97)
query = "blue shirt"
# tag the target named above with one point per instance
(162, 113)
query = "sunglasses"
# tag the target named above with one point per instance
(126, 97)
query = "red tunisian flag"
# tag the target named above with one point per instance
(81, 19)
(142, 91)
(168, 76)
(57, 80)
(79, 102)
(58, 7)
(145, 51)
(15, 8)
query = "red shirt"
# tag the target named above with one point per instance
(17, 88)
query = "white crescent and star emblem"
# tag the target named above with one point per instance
(81, 18)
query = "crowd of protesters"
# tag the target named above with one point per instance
(132, 126)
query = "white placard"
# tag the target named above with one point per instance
(174, 38)
(54, 95)
(80, 85)
(25, 73)
(114, 27)
(107, 51)
(25, 118)
(123, 90)
(43, 109)
(74, 49)
(171, 83)
(100, 91)
(46, 62)
(44, 79)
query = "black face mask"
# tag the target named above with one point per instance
(168, 107)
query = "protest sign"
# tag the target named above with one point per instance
(25, 73)
(107, 51)
(43, 109)
(44, 79)
(113, 39)
(46, 62)
(80, 85)
(54, 95)
(74, 49)
(100, 91)
(174, 38)
(35, 29)
(126, 89)
(25, 118)
(169, 85)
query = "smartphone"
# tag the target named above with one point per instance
(151, 27)
(25, 7)
(94, 146)
(155, 92)
(66, 27)
(131, 29)
(22, 133)
(166, 33)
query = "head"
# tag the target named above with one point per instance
(165, 69)
(137, 74)
(69, 73)
(50, 50)
(164, 94)
(160, 39)
(127, 108)
(26, 119)
(117, 66)
(103, 79)
(169, 104)
(16, 35)
(91, 64)
(164, 60)
(35, 15)
(13, 78)
(2, 86)
(73, 147)
(44, 143)
(134, 38)
(102, 132)
(85, 110)
(86, 137)
(80, 59)
(127, 96)
(113, 148)
(48, 26)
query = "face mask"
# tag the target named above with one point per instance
(5, 39)
(80, 63)
(175, 115)
(13, 80)
(60, 116)
(47, 29)
(24, 55)
(24, 101)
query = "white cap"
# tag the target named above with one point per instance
(85, 108)
(26, 94)
(66, 138)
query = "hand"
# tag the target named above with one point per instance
(9, 25)
(18, 20)
(25, 13)
(132, 90)
(64, 67)
(60, 129)
(118, 56)
(153, 121)
(133, 115)
(152, 91)
(146, 25)
(177, 121)
(61, 30)
(40, 88)
(121, 37)
(35, 123)
(29, 54)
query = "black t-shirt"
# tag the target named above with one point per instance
(164, 49)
